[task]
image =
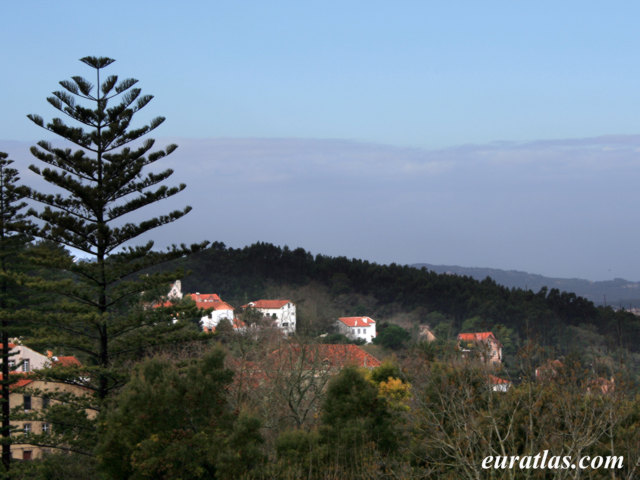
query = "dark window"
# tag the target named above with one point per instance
(26, 455)
(27, 402)
(45, 402)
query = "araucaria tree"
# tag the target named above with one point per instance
(12, 242)
(99, 184)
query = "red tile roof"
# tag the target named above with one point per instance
(68, 361)
(209, 300)
(270, 304)
(476, 336)
(11, 345)
(357, 321)
(21, 382)
(497, 380)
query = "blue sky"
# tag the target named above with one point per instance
(498, 134)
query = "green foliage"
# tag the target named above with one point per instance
(175, 422)
(339, 338)
(12, 294)
(355, 417)
(392, 336)
(104, 181)
(387, 370)
(58, 466)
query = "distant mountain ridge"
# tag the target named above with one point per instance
(616, 293)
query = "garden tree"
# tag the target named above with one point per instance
(173, 421)
(458, 420)
(356, 421)
(297, 374)
(98, 185)
(12, 246)
(392, 336)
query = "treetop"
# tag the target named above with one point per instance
(97, 62)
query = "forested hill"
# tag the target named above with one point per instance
(616, 292)
(549, 317)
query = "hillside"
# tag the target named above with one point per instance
(617, 292)
(561, 321)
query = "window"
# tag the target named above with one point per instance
(45, 402)
(26, 401)
(26, 455)
(25, 365)
(46, 428)
(26, 428)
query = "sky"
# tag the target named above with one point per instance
(482, 134)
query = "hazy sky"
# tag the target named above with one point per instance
(497, 134)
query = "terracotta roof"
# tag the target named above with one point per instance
(11, 345)
(497, 380)
(21, 382)
(476, 336)
(68, 361)
(357, 321)
(209, 300)
(271, 304)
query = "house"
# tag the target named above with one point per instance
(281, 312)
(33, 396)
(426, 334)
(499, 384)
(175, 292)
(483, 344)
(26, 359)
(218, 309)
(363, 328)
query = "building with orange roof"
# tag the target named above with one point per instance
(499, 384)
(363, 328)
(483, 344)
(281, 312)
(217, 309)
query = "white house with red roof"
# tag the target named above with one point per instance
(483, 343)
(218, 309)
(282, 312)
(358, 328)
(499, 384)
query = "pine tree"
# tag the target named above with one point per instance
(104, 179)
(12, 243)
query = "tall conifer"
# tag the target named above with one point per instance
(12, 243)
(102, 181)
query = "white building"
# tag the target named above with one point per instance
(358, 328)
(283, 313)
(26, 359)
(219, 309)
